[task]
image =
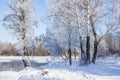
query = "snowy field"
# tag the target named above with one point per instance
(57, 69)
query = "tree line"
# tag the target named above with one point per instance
(8, 49)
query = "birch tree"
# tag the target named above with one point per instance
(21, 21)
(97, 16)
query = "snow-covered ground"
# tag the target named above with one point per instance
(57, 69)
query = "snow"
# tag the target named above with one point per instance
(58, 69)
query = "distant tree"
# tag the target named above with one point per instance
(37, 48)
(7, 49)
(21, 21)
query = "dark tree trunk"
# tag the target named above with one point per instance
(82, 51)
(69, 51)
(69, 41)
(88, 50)
(95, 52)
(70, 56)
(96, 42)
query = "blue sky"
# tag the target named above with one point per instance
(40, 12)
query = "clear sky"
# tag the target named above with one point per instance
(40, 12)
